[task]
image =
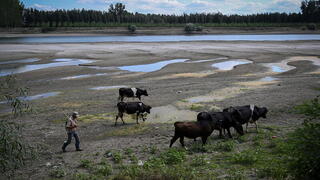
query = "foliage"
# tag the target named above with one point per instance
(14, 95)
(104, 170)
(117, 157)
(85, 163)
(173, 156)
(247, 157)
(226, 146)
(58, 172)
(11, 13)
(310, 108)
(302, 147)
(14, 151)
(132, 28)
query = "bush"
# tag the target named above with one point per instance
(132, 28)
(173, 156)
(58, 172)
(302, 148)
(104, 170)
(227, 146)
(117, 157)
(85, 163)
(312, 27)
(189, 27)
(47, 29)
(310, 108)
(247, 157)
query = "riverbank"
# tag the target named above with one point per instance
(79, 31)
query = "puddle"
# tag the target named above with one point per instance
(101, 67)
(269, 78)
(29, 60)
(35, 97)
(83, 76)
(283, 66)
(207, 60)
(170, 114)
(150, 67)
(229, 65)
(56, 63)
(107, 87)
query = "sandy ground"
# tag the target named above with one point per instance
(177, 91)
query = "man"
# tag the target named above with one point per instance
(71, 127)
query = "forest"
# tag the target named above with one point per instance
(13, 14)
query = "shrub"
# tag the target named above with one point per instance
(309, 108)
(132, 28)
(312, 26)
(104, 170)
(173, 156)
(303, 149)
(247, 157)
(58, 172)
(189, 27)
(227, 146)
(117, 157)
(85, 163)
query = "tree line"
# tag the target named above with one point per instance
(117, 14)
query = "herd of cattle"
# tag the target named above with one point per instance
(206, 121)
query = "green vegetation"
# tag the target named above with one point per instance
(11, 13)
(132, 28)
(14, 150)
(58, 172)
(85, 163)
(311, 109)
(192, 27)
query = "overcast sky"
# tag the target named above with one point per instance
(175, 6)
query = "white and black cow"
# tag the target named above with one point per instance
(131, 108)
(249, 114)
(131, 92)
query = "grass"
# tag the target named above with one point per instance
(196, 107)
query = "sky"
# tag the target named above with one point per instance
(174, 6)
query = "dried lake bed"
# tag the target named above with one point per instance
(182, 79)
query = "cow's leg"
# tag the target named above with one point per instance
(195, 139)
(247, 127)
(174, 138)
(220, 133)
(138, 117)
(121, 116)
(139, 97)
(116, 119)
(255, 122)
(229, 134)
(204, 140)
(181, 141)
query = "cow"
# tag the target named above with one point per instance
(224, 120)
(249, 114)
(131, 108)
(192, 130)
(131, 92)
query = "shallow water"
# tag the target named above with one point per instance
(83, 76)
(207, 60)
(35, 97)
(56, 63)
(29, 60)
(107, 87)
(161, 38)
(229, 65)
(150, 67)
(269, 78)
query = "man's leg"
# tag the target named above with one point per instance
(66, 143)
(76, 137)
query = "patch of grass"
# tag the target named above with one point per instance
(126, 131)
(196, 107)
(173, 156)
(225, 146)
(103, 170)
(86, 163)
(199, 161)
(311, 108)
(85, 176)
(247, 157)
(58, 172)
(117, 157)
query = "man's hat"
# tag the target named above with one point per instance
(75, 114)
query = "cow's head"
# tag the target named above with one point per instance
(263, 112)
(144, 92)
(147, 108)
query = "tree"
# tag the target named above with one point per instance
(11, 13)
(310, 10)
(118, 10)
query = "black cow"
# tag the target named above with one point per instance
(131, 92)
(249, 113)
(192, 130)
(131, 108)
(224, 120)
